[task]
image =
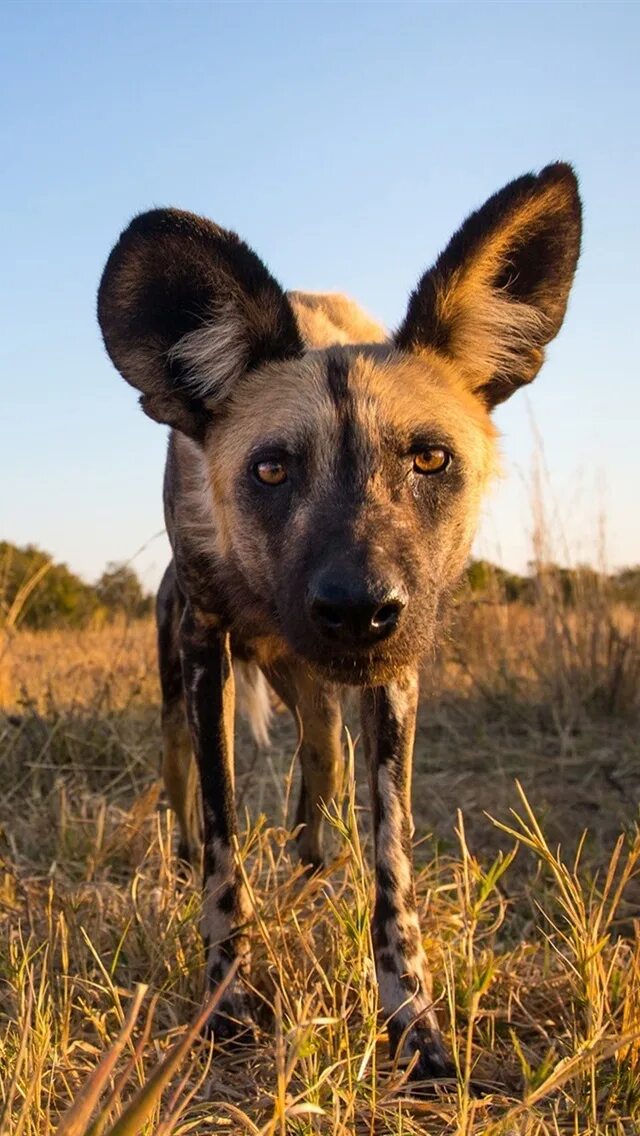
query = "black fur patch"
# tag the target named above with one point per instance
(385, 960)
(205, 667)
(215, 974)
(169, 607)
(338, 375)
(227, 901)
(386, 908)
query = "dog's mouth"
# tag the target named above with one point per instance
(373, 668)
(353, 664)
(371, 671)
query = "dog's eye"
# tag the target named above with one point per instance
(432, 460)
(270, 472)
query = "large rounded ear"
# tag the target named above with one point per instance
(185, 309)
(498, 293)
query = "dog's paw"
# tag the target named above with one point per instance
(231, 1024)
(433, 1061)
(189, 858)
(310, 854)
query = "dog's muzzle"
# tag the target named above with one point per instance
(355, 612)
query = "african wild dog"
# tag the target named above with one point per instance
(321, 493)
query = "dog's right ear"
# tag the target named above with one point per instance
(498, 293)
(185, 309)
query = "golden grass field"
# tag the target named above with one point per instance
(531, 927)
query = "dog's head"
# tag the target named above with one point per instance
(346, 480)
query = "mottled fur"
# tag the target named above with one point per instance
(335, 573)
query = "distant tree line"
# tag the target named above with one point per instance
(567, 585)
(36, 592)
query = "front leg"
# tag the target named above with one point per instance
(316, 709)
(209, 691)
(404, 980)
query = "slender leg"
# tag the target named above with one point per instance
(181, 779)
(209, 691)
(178, 767)
(316, 708)
(388, 719)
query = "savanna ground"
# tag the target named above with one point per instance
(528, 738)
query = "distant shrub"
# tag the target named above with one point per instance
(119, 590)
(489, 581)
(568, 586)
(626, 586)
(565, 641)
(38, 593)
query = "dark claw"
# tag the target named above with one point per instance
(312, 867)
(310, 862)
(433, 1062)
(187, 867)
(434, 1065)
(184, 854)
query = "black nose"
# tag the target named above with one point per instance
(352, 612)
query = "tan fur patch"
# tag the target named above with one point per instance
(490, 333)
(405, 393)
(327, 318)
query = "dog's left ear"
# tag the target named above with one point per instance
(186, 309)
(498, 293)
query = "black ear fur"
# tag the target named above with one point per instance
(498, 293)
(185, 307)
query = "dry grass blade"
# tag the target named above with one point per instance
(10, 1091)
(137, 1112)
(76, 1120)
(22, 595)
(115, 1096)
(536, 959)
(602, 1049)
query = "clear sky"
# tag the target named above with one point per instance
(345, 142)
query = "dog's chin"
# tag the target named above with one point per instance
(376, 665)
(346, 671)
(351, 669)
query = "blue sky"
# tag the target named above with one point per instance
(345, 142)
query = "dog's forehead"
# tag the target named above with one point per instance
(384, 390)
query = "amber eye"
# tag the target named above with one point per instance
(431, 461)
(270, 472)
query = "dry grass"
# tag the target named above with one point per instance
(537, 955)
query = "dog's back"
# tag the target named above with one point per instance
(325, 318)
